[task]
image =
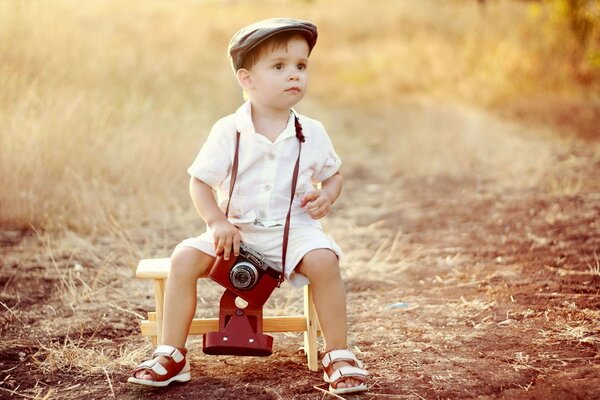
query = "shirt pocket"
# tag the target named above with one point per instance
(239, 206)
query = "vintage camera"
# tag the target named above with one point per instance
(250, 275)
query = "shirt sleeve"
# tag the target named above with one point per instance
(329, 162)
(213, 161)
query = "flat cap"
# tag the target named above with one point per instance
(251, 36)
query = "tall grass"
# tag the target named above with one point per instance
(103, 104)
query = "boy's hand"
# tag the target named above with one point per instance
(226, 237)
(317, 202)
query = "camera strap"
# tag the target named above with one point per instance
(286, 229)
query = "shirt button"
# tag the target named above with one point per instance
(271, 156)
(268, 187)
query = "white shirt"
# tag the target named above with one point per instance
(263, 186)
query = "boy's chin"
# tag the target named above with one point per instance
(292, 101)
(287, 103)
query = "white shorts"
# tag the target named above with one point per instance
(268, 241)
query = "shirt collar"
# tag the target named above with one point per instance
(243, 119)
(244, 124)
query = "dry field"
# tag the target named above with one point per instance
(470, 216)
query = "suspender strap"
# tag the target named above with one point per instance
(234, 170)
(286, 229)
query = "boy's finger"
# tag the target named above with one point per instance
(315, 205)
(308, 198)
(219, 247)
(319, 202)
(226, 252)
(318, 212)
(227, 248)
(236, 245)
(319, 215)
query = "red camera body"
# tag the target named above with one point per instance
(253, 278)
(250, 275)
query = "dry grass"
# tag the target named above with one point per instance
(103, 105)
(83, 358)
(594, 268)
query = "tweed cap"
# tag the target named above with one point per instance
(251, 36)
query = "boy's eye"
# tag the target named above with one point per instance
(301, 66)
(278, 66)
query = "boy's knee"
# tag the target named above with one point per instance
(187, 263)
(319, 263)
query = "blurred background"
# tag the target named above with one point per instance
(104, 104)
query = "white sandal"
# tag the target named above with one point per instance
(354, 370)
(176, 369)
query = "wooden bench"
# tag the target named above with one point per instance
(158, 270)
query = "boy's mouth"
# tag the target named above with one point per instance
(293, 89)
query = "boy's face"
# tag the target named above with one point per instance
(280, 76)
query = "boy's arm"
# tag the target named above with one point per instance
(319, 201)
(225, 234)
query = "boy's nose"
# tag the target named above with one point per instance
(294, 77)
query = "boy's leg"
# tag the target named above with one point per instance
(187, 265)
(321, 267)
(329, 295)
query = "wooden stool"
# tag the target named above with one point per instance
(158, 270)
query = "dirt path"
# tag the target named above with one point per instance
(459, 287)
(499, 302)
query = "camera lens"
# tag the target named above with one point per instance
(243, 276)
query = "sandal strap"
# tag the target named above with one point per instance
(154, 375)
(175, 362)
(174, 353)
(151, 365)
(341, 355)
(346, 372)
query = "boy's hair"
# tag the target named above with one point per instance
(273, 43)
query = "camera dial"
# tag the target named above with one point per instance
(243, 276)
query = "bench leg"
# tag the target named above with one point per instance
(159, 299)
(312, 326)
(152, 318)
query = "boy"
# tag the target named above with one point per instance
(270, 60)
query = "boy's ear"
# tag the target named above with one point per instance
(244, 79)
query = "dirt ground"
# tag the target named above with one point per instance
(458, 288)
